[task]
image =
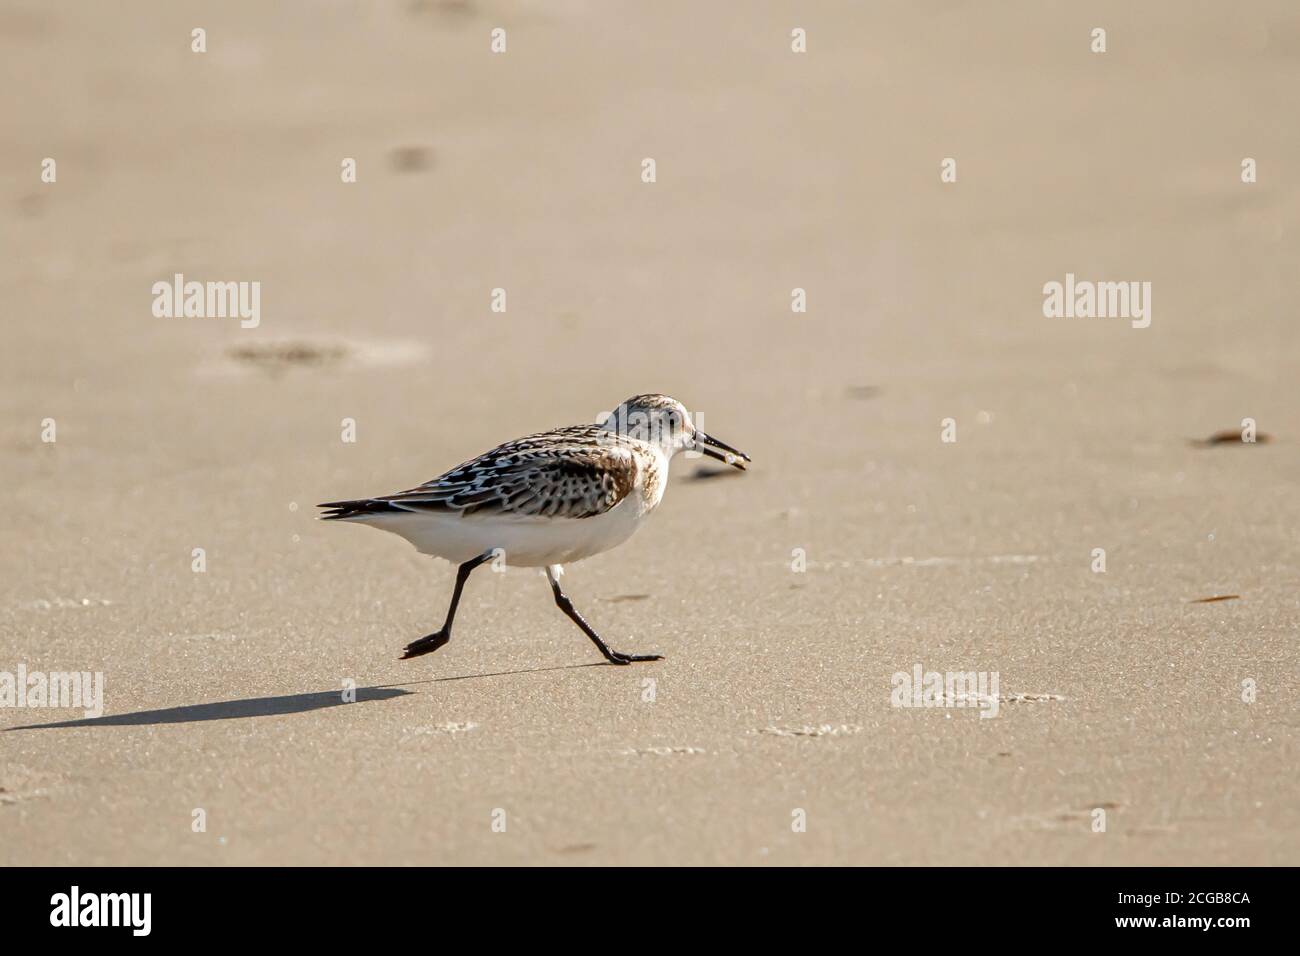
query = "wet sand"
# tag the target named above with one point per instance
(774, 171)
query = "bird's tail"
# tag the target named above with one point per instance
(361, 508)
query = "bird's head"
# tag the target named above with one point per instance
(664, 421)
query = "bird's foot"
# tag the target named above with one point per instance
(616, 658)
(426, 645)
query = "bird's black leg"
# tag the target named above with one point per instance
(564, 604)
(429, 644)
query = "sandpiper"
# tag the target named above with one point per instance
(544, 501)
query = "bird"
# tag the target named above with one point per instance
(544, 501)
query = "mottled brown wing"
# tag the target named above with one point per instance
(533, 477)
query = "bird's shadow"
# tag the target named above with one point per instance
(273, 706)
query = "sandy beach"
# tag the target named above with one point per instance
(161, 472)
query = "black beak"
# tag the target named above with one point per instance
(731, 456)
